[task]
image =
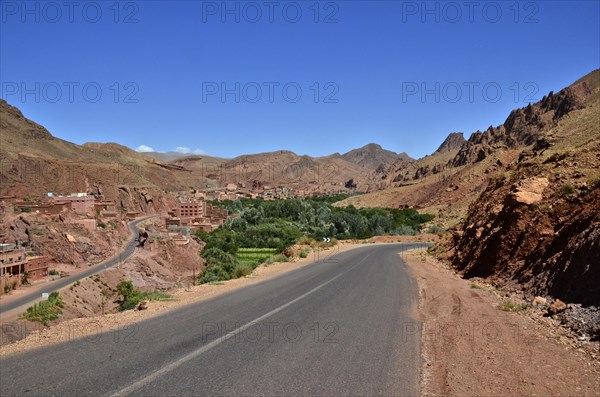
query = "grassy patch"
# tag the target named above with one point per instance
(510, 306)
(130, 297)
(252, 257)
(156, 296)
(476, 286)
(45, 311)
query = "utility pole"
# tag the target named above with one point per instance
(193, 273)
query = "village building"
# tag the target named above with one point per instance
(196, 215)
(82, 203)
(15, 262)
(42, 208)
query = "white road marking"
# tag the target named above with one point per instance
(168, 368)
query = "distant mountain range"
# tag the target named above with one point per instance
(521, 197)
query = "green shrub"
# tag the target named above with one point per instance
(567, 189)
(280, 258)
(435, 229)
(305, 240)
(25, 278)
(53, 272)
(304, 252)
(156, 296)
(130, 297)
(242, 271)
(45, 311)
(406, 230)
(214, 273)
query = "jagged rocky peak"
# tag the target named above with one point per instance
(452, 142)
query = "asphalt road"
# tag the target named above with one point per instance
(340, 326)
(125, 253)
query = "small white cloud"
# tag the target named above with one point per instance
(144, 149)
(187, 150)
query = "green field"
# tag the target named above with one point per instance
(254, 256)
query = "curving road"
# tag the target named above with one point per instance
(122, 255)
(340, 326)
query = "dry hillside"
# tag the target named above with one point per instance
(538, 224)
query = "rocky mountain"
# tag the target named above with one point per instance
(167, 157)
(537, 225)
(522, 198)
(447, 181)
(286, 168)
(34, 162)
(373, 156)
(453, 141)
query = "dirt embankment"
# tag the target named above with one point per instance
(536, 227)
(471, 348)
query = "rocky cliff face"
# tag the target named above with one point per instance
(537, 226)
(524, 126)
(453, 141)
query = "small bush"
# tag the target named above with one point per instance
(594, 182)
(434, 229)
(280, 258)
(25, 278)
(567, 189)
(242, 271)
(510, 306)
(304, 252)
(305, 240)
(130, 297)
(406, 230)
(53, 272)
(214, 273)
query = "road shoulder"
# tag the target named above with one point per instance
(470, 347)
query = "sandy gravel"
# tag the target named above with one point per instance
(471, 348)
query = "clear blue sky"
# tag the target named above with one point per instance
(168, 62)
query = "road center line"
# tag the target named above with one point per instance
(164, 370)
